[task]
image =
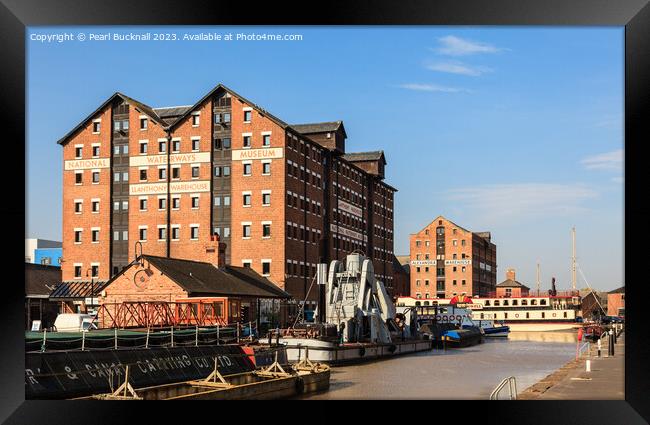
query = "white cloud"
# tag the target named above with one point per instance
(458, 68)
(605, 161)
(456, 46)
(432, 88)
(500, 202)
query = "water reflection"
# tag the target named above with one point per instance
(467, 373)
(563, 336)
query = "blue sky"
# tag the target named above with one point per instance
(517, 131)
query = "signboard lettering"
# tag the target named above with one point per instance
(85, 164)
(174, 187)
(349, 208)
(268, 153)
(174, 158)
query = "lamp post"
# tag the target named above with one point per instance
(92, 287)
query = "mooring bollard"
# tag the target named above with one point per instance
(588, 364)
(146, 342)
(598, 347)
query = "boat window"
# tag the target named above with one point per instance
(565, 314)
(218, 308)
(505, 315)
(524, 302)
(514, 302)
(426, 303)
(542, 314)
(542, 302)
(487, 303)
(527, 315)
(482, 315)
(496, 302)
(533, 302)
(505, 302)
(417, 303)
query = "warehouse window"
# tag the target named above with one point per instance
(195, 201)
(125, 205)
(77, 271)
(246, 230)
(176, 172)
(195, 120)
(266, 230)
(246, 141)
(217, 171)
(162, 233)
(266, 198)
(247, 116)
(96, 126)
(195, 144)
(95, 206)
(226, 171)
(266, 140)
(248, 169)
(162, 173)
(143, 204)
(95, 235)
(194, 232)
(143, 123)
(95, 177)
(78, 177)
(125, 176)
(176, 146)
(143, 175)
(195, 172)
(77, 236)
(266, 168)
(116, 177)
(247, 199)
(162, 146)
(143, 148)
(226, 232)
(217, 201)
(226, 201)
(176, 231)
(78, 206)
(266, 267)
(95, 151)
(143, 234)
(226, 143)
(176, 203)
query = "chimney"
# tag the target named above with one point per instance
(221, 259)
(510, 274)
(215, 251)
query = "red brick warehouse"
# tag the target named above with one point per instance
(282, 197)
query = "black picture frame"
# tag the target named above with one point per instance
(16, 15)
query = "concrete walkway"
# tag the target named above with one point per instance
(606, 381)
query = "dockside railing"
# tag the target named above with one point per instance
(511, 382)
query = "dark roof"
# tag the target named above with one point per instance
(485, 235)
(204, 278)
(620, 290)
(74, 289)
(509, 283)
(365, 156)
(399, 267)
(170, 114)
(41, 279)
(319, 127)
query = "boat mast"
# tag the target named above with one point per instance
(573, 259)
(537, 277)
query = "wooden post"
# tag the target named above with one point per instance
(116, 338)
(237, 325)
(172, 336)
(146, 343)
(250, 330)
(44, 339)
(83, 340)
(217, 334)
(196, 338)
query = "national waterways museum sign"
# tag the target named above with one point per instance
(464, 262)
(174, 158)
(174, 187)
(267, 153)
(86, 164)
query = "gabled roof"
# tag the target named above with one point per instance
(620, 290)
(398, 267)
(509, 283)
(440, 217)
(485, 235)
(220, 86)
(320, 127)
(365, 156)
(199, 278)
(139, 105)
(41, 279)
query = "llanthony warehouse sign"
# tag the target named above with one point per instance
(174, 187)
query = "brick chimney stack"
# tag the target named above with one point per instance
(510, 274)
